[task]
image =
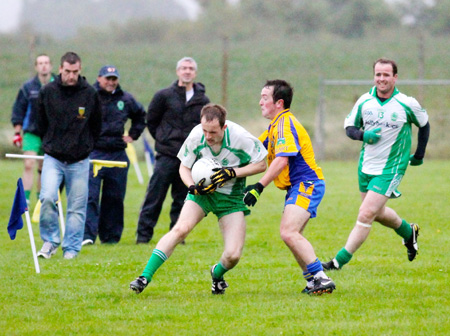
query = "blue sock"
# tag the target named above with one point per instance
(315, 267)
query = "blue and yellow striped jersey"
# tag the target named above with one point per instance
(286, 136)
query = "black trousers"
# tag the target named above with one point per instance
(105, 217)
(165, 174)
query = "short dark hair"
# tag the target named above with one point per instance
(40, 55)
(386, 61)
(281, 90)
(70, 57)
(214, 111)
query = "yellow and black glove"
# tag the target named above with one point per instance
(252, 193)
(200, 189)
(222, 175)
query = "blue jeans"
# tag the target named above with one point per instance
(76, 178)
(105, 218)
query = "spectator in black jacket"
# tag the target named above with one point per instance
(172, 114)
(105, 219)
(23, 118)
(69, 123)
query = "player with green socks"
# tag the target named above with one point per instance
(382, 119)
(240, 154)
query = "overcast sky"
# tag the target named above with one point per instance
(10, 11)
(9, 14)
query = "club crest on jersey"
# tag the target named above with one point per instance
(281, 141)
(394, 116)
(81, 111)
(120, 105)
(225, 162)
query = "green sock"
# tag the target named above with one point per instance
(219, 271)
(156, 260)
(343, 257)
(405, 230)
(27, 194)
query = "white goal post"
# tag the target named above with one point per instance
(319, 133)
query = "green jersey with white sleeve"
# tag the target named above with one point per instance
(390, 155)
(239, 148)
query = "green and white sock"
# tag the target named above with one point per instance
(404, 230)
(156, 260)
(343, 257)
(219, 271)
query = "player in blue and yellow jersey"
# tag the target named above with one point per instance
(293, 168)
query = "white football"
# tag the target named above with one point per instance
(203, 168)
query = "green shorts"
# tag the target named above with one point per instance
(381, 184)
(32, 143)
(220, 204)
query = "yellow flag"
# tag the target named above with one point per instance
(36, 212)
(131, 153)
(98, 164)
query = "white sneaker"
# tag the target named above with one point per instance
(47, 250)
(69, 255)
(87, 242)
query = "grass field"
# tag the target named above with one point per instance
(379, 293)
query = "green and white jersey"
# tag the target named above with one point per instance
(390, 155)
(239, 148)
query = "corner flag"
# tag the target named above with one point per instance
(18, 209)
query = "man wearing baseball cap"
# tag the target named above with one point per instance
(106, 218)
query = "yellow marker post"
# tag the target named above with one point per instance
(131, 153)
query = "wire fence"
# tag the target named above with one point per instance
(337, 97)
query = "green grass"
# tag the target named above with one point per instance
(379, 293)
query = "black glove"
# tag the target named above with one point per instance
(222, 175)
(199, 189)
(252, 193)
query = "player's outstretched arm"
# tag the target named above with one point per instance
(252, 192)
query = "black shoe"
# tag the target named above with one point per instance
(322, 285)
(411, 244)
(306, 290)
(142, 241)
(332, 265)
(218, 285)
(139, 284)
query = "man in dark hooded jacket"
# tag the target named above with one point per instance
(69, 123)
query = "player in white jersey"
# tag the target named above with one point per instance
(240, 155)
(382, 119)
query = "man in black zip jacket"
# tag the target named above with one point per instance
(106, 218)
(172, 114)
(69, 123)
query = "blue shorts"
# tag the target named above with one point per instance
(307, 195)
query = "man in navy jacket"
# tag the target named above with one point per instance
(106, 218)
(23, 118)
